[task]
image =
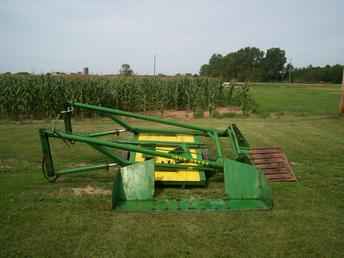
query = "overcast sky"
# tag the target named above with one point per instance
(45, 35)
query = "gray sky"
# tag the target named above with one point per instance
(45, 35)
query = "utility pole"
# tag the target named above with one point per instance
(289, 75)
(290, 70)
(341, 105)
(154, 64)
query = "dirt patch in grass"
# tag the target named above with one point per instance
(81, 191)
(225, 110)
(7, 165)
(175, 114)
(189, 115)
(90, 190)
(12, 165)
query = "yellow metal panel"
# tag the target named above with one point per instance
(185, 138)
(179, 175)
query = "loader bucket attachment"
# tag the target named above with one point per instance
(172, 154)
(246, 187)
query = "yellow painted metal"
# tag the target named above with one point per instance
(179, 175)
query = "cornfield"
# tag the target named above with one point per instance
(43, 96)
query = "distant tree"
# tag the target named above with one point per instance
(273, 64)
(318, 74)
(22, 73)
(253, 64)
(204, 71)
(126, 70)
(215, 68)
(243, 64)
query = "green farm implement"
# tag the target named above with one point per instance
(172, 154)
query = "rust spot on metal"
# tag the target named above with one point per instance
(273, 162)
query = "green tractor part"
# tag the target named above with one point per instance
(245, 188)
(173, 156)
(179, 176)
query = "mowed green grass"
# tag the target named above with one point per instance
(296, 98)
(38, 219)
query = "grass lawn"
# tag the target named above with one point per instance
(303, 99)
(39, 219)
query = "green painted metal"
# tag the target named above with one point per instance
(190, 145)
(122, 123)
(133, 148)
(47, 161)
(137, 181)
(245, 187)
(173, 167)
(244, 182)
(216, 139)
(67, 120)
(168, 131)
(139, 116)
(98, 134)
(106, 151)
(85, 168)
(239, 142)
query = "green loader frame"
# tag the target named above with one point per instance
(245, 186)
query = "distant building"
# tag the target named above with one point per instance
(85, 71)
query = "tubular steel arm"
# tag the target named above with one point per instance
(239, 143)
(245, 187)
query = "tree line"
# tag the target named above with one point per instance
(254, 64)
(328, 73)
